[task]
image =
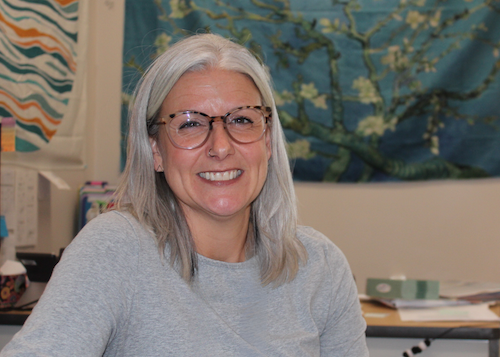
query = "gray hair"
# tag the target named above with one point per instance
(146, 194)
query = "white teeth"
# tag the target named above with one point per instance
(220, 176)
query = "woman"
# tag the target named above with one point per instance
(202, 256)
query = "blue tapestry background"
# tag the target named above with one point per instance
(367, 91)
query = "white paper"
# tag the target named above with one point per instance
(56, 180)
(11, 267)
(457, 289)
(477, 312)
(421, 303)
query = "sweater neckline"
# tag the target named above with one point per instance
(226, 265)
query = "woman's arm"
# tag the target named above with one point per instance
(88, 296)
(344, 333)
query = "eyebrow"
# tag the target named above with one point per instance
(266, 109)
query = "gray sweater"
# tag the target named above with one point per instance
(112, 295)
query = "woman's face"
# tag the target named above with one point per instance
(224, 185)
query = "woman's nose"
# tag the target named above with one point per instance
(220, 143)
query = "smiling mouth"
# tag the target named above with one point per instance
(220, 176)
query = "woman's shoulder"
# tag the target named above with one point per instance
(112, 220)
(112, 234)
(111, 228)
(312, 238)
(319, 247)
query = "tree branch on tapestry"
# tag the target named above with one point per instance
(400, 52)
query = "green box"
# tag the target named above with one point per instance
(402, 289)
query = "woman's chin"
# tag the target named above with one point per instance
(227, 209)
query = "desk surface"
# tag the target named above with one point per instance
(391, 320)
(13, 317)
(30, 296)
(391, 326)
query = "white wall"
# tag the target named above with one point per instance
(431, 230)
(441, 230)
(58, 215)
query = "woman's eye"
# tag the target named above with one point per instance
(189, 124)
(192, 124)
(241, 120)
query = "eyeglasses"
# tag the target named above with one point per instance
(189, 129)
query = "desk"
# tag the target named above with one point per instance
(10, 324)
(12, 321)
(389, 326)
(32, 294)
(392, 326)
(14, 317)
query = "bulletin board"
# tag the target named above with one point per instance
(367, 90)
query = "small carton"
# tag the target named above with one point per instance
(403, 289)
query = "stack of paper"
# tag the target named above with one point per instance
(459, 301)
(472, 312)
(471, 291)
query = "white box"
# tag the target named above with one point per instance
(19, 203)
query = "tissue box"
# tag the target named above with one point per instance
(12, 288)
(403, 289)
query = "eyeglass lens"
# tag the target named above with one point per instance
(190, 129)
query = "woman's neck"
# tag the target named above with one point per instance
(220, 238)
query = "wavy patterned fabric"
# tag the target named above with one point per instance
(39, 65)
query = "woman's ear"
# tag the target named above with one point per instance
(157, 158)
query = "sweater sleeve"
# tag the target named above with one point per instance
(344, 333)
(88, 296)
